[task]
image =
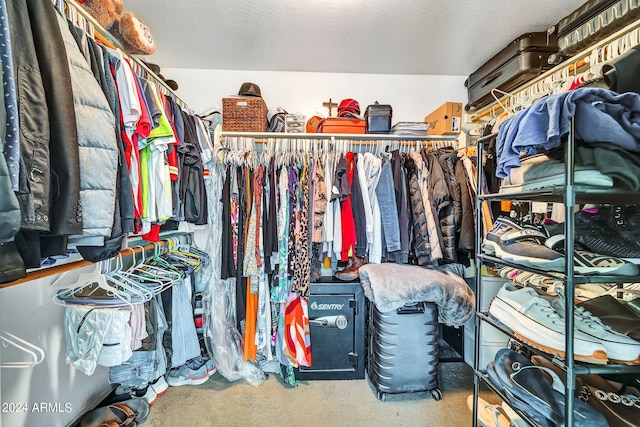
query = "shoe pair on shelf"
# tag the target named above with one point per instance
(527, 388)
(606, 231)
(539, 321)
(619, 404)
(529, 246)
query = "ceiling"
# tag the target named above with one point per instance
(426, 37)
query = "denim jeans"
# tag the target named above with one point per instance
(184, 338)
(137, 372)
(143, 366)
(388, 210)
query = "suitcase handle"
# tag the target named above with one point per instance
(491, 78)
(411, 308)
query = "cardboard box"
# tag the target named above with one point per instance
(446, 120)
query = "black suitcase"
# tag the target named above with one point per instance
(378, 118)
(402, 353)
(337, 328)
(523, 59)
(594, 21)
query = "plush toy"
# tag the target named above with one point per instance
(133, 34)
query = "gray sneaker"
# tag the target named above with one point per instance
(512, 242)
(535, 322)
(619, 347)
(184, 375)
(205, 361)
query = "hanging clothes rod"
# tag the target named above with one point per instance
(338, 136)
(153, 248)
(64, 7)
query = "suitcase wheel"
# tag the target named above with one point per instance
(436, 394)
(381, 396)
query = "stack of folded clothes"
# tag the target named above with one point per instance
(410, 128)
(530, 145)
(606, 124)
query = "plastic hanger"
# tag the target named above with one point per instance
(35, 352)
(91, 286)
(144, 286)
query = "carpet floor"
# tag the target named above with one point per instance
(219, 402)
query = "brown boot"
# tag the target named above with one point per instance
(351, 271)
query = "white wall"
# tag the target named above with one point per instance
(51, 393)
(412, 97)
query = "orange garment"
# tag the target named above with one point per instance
(251, 317)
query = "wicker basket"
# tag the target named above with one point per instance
(244, 114)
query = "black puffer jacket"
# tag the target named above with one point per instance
(466, 235)
(448, 158)
(442, 203)
(421, 246)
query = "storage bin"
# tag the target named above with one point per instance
(378, 118)
(244, 114)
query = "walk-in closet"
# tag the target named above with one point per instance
(240, 213)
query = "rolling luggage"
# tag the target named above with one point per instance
(594, 21)
(402, 353)
(523, 59)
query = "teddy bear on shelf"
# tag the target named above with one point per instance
(133, 34)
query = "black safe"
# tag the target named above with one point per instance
(337, 327)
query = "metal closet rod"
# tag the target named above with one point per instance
(149, 248)
(338, 136)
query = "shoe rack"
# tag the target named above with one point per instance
(568, 194)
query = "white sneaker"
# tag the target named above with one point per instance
(147, 394)
(619, 347)
(150, 396)
(535, 322)
(160, 386)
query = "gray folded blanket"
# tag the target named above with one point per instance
(390, 286)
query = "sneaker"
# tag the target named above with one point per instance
(619, 347)
(536, 323)
(596, 236)
(512, 242)
(184, 375)
(146, 393)
(197, 362)
(586, 262)
(211, 367)
(614, 313)
(624, 221)
(160, 386)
